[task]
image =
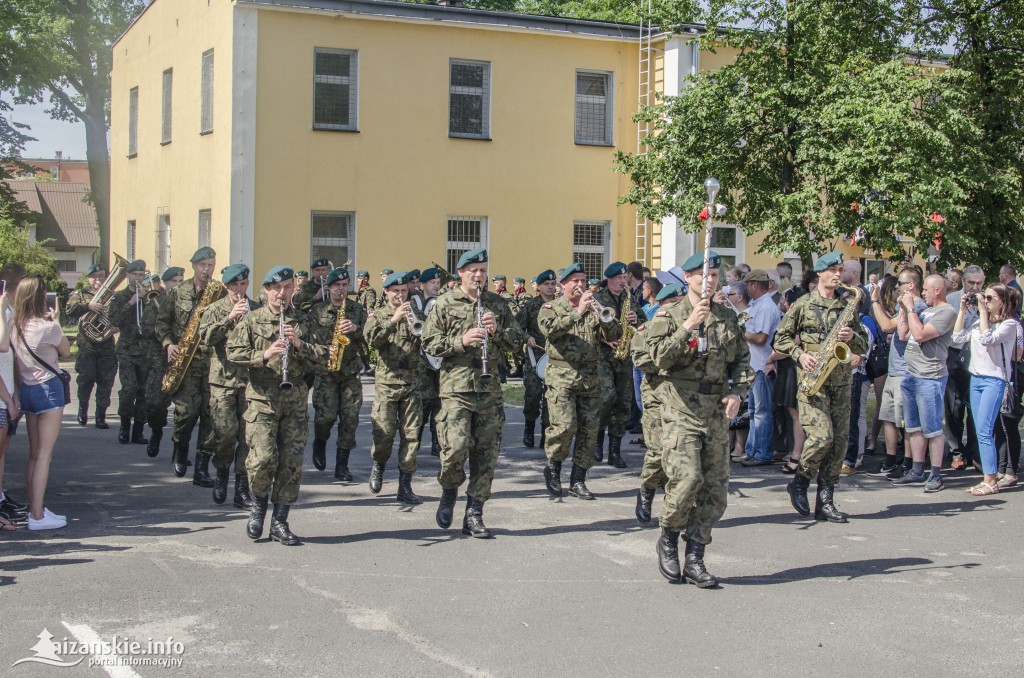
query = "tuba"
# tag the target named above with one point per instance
(622, 347)
(96, 326)
(832, 352)
(188, 342)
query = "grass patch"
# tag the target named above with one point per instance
(514, 394)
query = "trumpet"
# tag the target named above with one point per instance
(323, 281)
(605, 313)
(415, 324)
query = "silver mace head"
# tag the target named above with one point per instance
(712, 187)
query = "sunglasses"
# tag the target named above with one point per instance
(990, 297)
(902, 282)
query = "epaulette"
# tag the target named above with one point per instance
(661, 314)
(547, 306)
(370, 315)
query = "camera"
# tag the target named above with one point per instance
(972, 299)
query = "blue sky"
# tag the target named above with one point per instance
(51, 135)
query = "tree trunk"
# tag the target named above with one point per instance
(98, 156)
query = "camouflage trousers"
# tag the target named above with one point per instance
(227, 407)
(617, 392)
(652, 475)
(396, 410)
(533, 393)
(694, 444)
(277, 444)
(156, 402)
(825, 419)
(95, 369)
(133, 371)
(575, 413)
(470, 426)
(191, 405)
(337, 400)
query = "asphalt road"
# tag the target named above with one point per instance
(914, 585)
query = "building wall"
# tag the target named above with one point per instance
(60, 169)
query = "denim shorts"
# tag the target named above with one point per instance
(40, 398)
(923, 404)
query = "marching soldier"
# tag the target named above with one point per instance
(466, 326)
(126, 310)
(618, 374)
(698, 347)
(228, 383)
(96, 363)
(157, 402)
(396, 406)
(274, 345)
(313, 290)
(338, 396)
(519, 295)
(192, 399)
(825, 416)
(534, 404)
(430, 280)
(382, 300)
(366, 296)
(501, 289)
(574, 334)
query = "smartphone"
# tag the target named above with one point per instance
(51, 300)
(3, 287)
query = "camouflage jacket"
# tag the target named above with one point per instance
(805, 320)
(605, 298)
(214, 329)
(77, 306)
(527, 319)
(151, 345)
(175, 310)
(398, 350)
(321, 321)
(574, 340)
(127, 318)
(304, 298)
(453, 315)
(367, 298)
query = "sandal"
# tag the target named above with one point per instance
(6, 525)
(983, 490)
(957, 463)
(1006, 481)
(791, 465)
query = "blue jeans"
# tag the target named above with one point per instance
(638, 378)
(986, 399)
(923, 404)
(762, 421)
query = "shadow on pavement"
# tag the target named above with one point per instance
(854, 569)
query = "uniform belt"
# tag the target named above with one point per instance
(811, 347)
(702, 387)
(475, 363)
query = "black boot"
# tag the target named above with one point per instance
(578, 483)
(101, 418)
(615, 452)
(341, 471)
(693, 569)
(257, 514)
(446, 508)
(243, 498)
(668, 555)
(473, 522)
(644, 499)
(405, 493)
(220, 485)
(83, 412)
(279, 527)
(825, 507)
(599, 446)
(435, 441)
(553, 478)
(543, 435)
(797, 489)
(124, 434)
(138, 428)
(179, 460)
(319, 454)
(528, 433)
(376, 477)
(155, 436)
(201, 472)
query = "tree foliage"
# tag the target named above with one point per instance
(16, 248)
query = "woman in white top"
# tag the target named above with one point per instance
(993, 342)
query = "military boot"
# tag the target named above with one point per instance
(578, 483)
(124, 434)
(179, 460)
(528, 433)
(101, 418)
(220, 485)
(319, 454)
(615, 452)
(446, 508)
(435, 441)
(543, 435)
(668, 555)
(257, 514)
(155, 436)
(825, 507)
(405, 493)
(279, 527)
(341, 471)
(553, 478)
(138, 428)
(376, 477)
(644, 499)
(243, 498)
(83, 412)
(599, 446)
(473, 522)
(693, 568)
(201, 472)
(797, 489)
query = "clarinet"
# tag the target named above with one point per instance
(285, 384)
(485, 368)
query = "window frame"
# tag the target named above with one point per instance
(454, 249)
(485, 93)
(208, 226)
(133, 122)
(609, 104)
(131, 239)
(206, 91)
(166, 103)
(163, 240)
(353, 85)
(350, 241)
(604, 249)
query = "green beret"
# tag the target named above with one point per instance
(337, 274)
(430, 274)
(544, 276)
(617, 268)
(234, 273)
(396, 278)
(518, 279)
(499, 277)
(387, 271)
(172, 272)
(671, 291)
(317, 263)
(95, 268)
(278, 274)
(361, 273)
(136, 266)
(473, 257)
(203, 253)
(826, 260)
(414, 274)
(569, 270)
(696, 261)
(302, 274)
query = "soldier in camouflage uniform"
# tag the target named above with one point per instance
(825, 417)
(472, 413)
(396, 404)
(617, 374)
(534, 404)
(228, 383)
(276, 420)
(126, 308)
(157, 402)
(573, 336)
(314, 290)
(698, 348)
(338, 396)
(192, 399)
(430, 280)
(382, 300)
(366, 296)
(519, 295)
(96, 364)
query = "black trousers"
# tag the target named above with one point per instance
(958, 419)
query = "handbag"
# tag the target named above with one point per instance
(65, 376)
(1011, 406)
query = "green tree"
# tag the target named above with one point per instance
(16, 248)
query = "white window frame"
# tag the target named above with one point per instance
(133, 122)
(589, 99)
(130, 240)
(352, 80)
(603, 249)
(163, 239)
(332, 241)
(484, 92)
(205, 227)
(165, 117)
(206, 93)
(455, 248)
(738, 253)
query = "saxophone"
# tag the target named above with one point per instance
(338, 343)
(832, 352)
(622, 347)
(188, 342)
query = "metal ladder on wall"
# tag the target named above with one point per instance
(644, 71)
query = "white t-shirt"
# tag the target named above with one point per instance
(7, 362)
(992, 350)
(764, 318)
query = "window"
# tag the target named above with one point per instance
(333, 236)
(464, 234)
(133, 121)
(129, 241)
(469, 99)
(206, 114)
(593, 108)
(163, 241)
(590, 246)
(165, 127)
(66, 265)
(727, 241)
(334, 89)
(205, 219)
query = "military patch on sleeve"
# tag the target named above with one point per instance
(641, 328)
(547, 305)
(661, 314)
(370, 315)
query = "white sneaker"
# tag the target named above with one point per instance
(47, 522)
(51, 514)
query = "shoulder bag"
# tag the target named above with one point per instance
(65, 376)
